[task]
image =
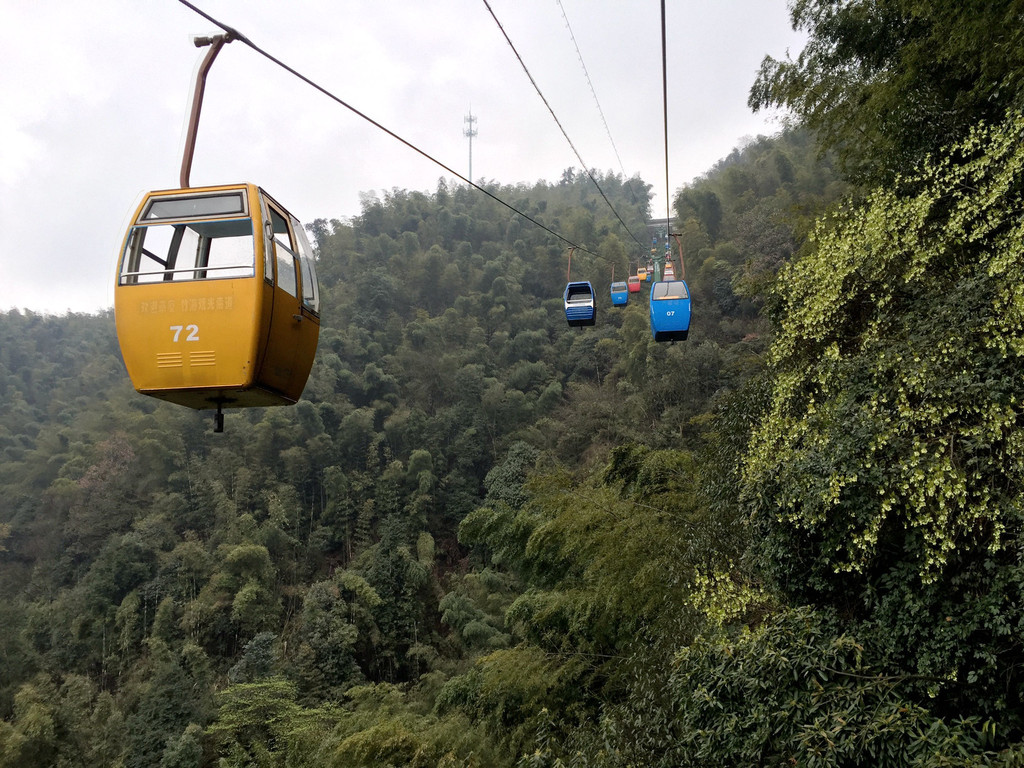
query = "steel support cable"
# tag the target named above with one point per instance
(664, 90)
(668, 194)
(597, 102)
(559, 124)
(235, 34)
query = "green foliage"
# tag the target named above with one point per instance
(483, 538)
(186, 751)
(611, 568)
(380, 731)
(258, 659)
(170, 691)
(338, 634)
(795, 691)
(261, 724)
(475, 609)
(886, 477)
(887, 82)
(504, 483)
(65, 724)
(32, 741)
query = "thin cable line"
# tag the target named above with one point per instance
(597, 102)
(559, 124)
(235, 34)
(664, 89)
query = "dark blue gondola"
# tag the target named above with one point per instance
(670, 310)
(580, 307)
(620, 294)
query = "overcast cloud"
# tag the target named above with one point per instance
(95, 98)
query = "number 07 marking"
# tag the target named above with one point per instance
(193, 332)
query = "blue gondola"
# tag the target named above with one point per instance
(580, 307)
(620, 294)
(670, 311)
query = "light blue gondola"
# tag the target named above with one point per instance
(620, 294)
(670, 310)
(580, 307)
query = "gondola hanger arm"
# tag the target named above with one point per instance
(679, 245)
(216, 42)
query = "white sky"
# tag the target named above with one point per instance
(95, 97)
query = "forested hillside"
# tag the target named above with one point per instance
(483, 538)
(349, 581)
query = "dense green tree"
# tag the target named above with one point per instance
(261, 724)
(186, 751)
(170, 691)
(338, 635)
(32, 739)
(887, 82)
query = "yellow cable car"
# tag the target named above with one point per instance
(217, 301)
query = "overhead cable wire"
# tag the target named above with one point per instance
(236, 35)
(559, 124)
(664, 89)
(668, 193)
(597, 102)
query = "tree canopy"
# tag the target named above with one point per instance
(887, 82)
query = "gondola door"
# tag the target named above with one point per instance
(280, 369)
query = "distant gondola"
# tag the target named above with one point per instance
(620, 294)
(633, 283)
(580, 307)
(670, 311)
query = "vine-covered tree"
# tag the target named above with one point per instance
(885, 480)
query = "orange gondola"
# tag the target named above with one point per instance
(217, 303)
